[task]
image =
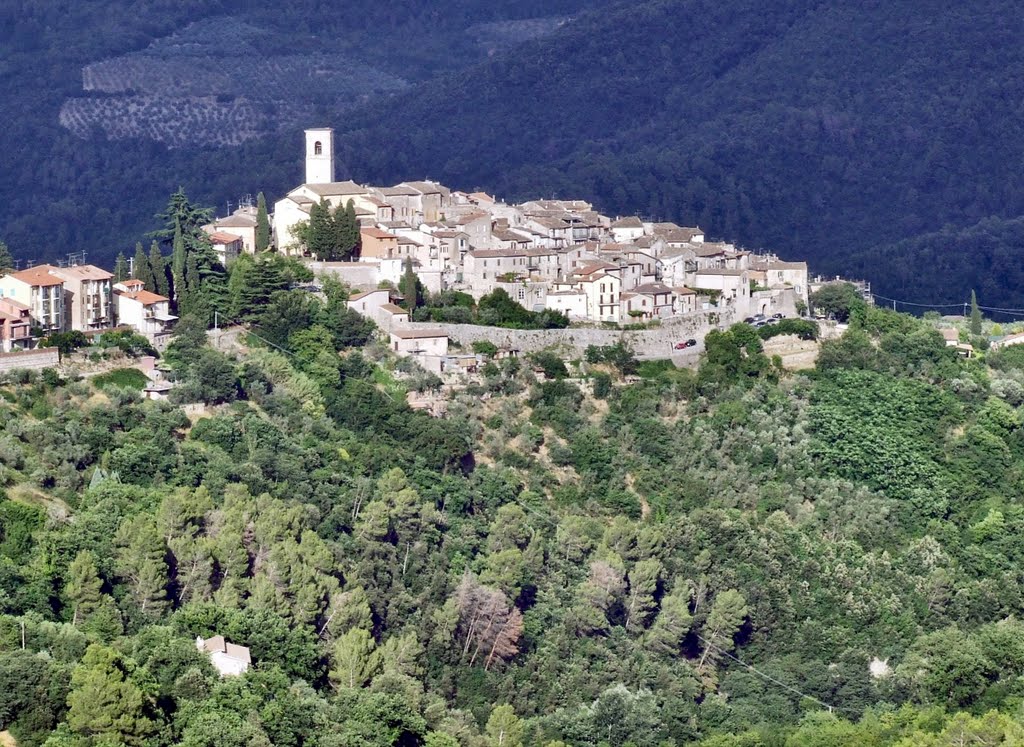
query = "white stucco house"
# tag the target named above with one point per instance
(227, 658)
(147, 312)
(419, 342)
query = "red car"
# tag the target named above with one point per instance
(685, 344)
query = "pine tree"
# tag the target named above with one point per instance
(140, 562)
(178, 260)
(354, 663)
(83, 586)
(105, 705)
(121, 272)
(504, 728)
(158, 268)
(180, 212)
(262, 224)
(975, 315)
(141, 270)
(6, 260)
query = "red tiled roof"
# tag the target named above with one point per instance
(38, 276)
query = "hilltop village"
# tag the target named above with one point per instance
(560, 256)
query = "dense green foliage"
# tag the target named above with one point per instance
(540, 567)
(494, 309)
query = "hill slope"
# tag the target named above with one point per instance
(810, 127)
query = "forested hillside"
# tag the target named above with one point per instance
(819, 129)
(814, 128)
(614, 554)
(118, 104)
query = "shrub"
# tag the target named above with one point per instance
(130, 378)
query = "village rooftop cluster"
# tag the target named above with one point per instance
(552, 254)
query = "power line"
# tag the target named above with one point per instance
(921, 305)
(768, 677)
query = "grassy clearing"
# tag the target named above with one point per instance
(129, 378)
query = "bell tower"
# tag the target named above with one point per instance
(320, 156)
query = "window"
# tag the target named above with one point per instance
(318, 148)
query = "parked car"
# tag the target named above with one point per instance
(685, 344)
(761, 322)
(778, 316)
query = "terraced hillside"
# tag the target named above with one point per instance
(213, 83)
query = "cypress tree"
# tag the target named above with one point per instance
(975, 315)
(355, 242)
(178, 260)
(121, 268)
(409, 283)
(159, 269)
(262, 224)
(141, 270)
(321, 239)
(346, 230)
(189, 292)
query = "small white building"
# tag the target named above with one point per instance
(570, 301)
(432, 342)
(147, 312)
(227, 246)
(241, 223)
(227, 658)
(625, 230)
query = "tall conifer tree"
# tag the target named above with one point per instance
(178, 260)
(141, 269)
(975, 315)
(121, 268)
(159, 269)
(262, 224)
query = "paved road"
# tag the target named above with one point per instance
(686, 358)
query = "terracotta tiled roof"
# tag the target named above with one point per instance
(145, 297)
(40, 275)
(376, 233)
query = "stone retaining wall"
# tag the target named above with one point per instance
(30, 359)
(649, 343)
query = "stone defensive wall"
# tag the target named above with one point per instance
(656, 342)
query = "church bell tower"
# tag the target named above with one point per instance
(320, 156)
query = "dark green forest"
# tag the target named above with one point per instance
(835, 133)
(617, 553)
